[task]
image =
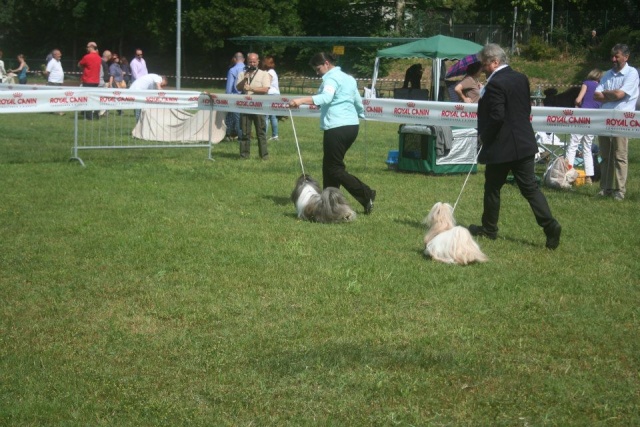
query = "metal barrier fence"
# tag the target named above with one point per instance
(156, 128)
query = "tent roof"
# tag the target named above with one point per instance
(440, 46)
(297, 40)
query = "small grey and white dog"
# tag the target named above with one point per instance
(447, 242)
(326, 206)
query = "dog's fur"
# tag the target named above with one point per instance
(564, 99)
(326, 206)
(448, 243)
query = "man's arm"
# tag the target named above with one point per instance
(609, 95)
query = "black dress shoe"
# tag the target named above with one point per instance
(369, 207)
(553, 235)
(478, 230)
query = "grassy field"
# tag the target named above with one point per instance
(158, 288)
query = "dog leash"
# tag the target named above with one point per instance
(475, 162)
(295, 136)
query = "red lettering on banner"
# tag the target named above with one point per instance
(460, 114)
(18, 101)
(374, 110)
(622, 123)
(569, 120)
(411, 112)
(251, 104)
(116, 99)
(279, 105)
(161, 99)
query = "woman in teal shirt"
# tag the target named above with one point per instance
(21, 71)
(340, 110)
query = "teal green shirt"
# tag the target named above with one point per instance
(339, 100)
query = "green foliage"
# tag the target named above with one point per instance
(619, 35)
(157, 288)
(423, 23)
(538, 50)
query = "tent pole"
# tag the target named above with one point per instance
(374, 79)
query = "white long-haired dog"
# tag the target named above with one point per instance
(313, 204)
(447, 242)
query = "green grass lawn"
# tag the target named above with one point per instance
(158, 288)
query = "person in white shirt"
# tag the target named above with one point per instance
(618, 90)
(3, 72)
(269, 65)
(54, 71)
(148, 82)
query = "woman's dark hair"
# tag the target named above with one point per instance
(321, 58)
(268, 63)
(474, 68)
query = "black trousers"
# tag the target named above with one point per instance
(335, 143)
(524, 174)
(90, 115)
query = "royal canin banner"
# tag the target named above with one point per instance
(35, 99)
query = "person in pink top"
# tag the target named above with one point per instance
(138, 66)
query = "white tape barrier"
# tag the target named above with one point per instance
(33, 99)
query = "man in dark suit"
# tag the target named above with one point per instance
(508, 145)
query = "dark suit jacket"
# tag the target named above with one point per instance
(504, 125)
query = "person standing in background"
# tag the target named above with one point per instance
(594, 41)
(585, 100)
(126, 70)
(54, 72)
(269, 65)
(618, 90)
(90, 64)
(3, 72)
(116, 78)
(22, 69)
(232, 120)
(104, 74)
(138, 66)
(469, 87)
(253, 81)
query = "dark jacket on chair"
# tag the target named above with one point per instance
(504, 125)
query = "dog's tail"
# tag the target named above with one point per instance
(334, 206)
(466, 250)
